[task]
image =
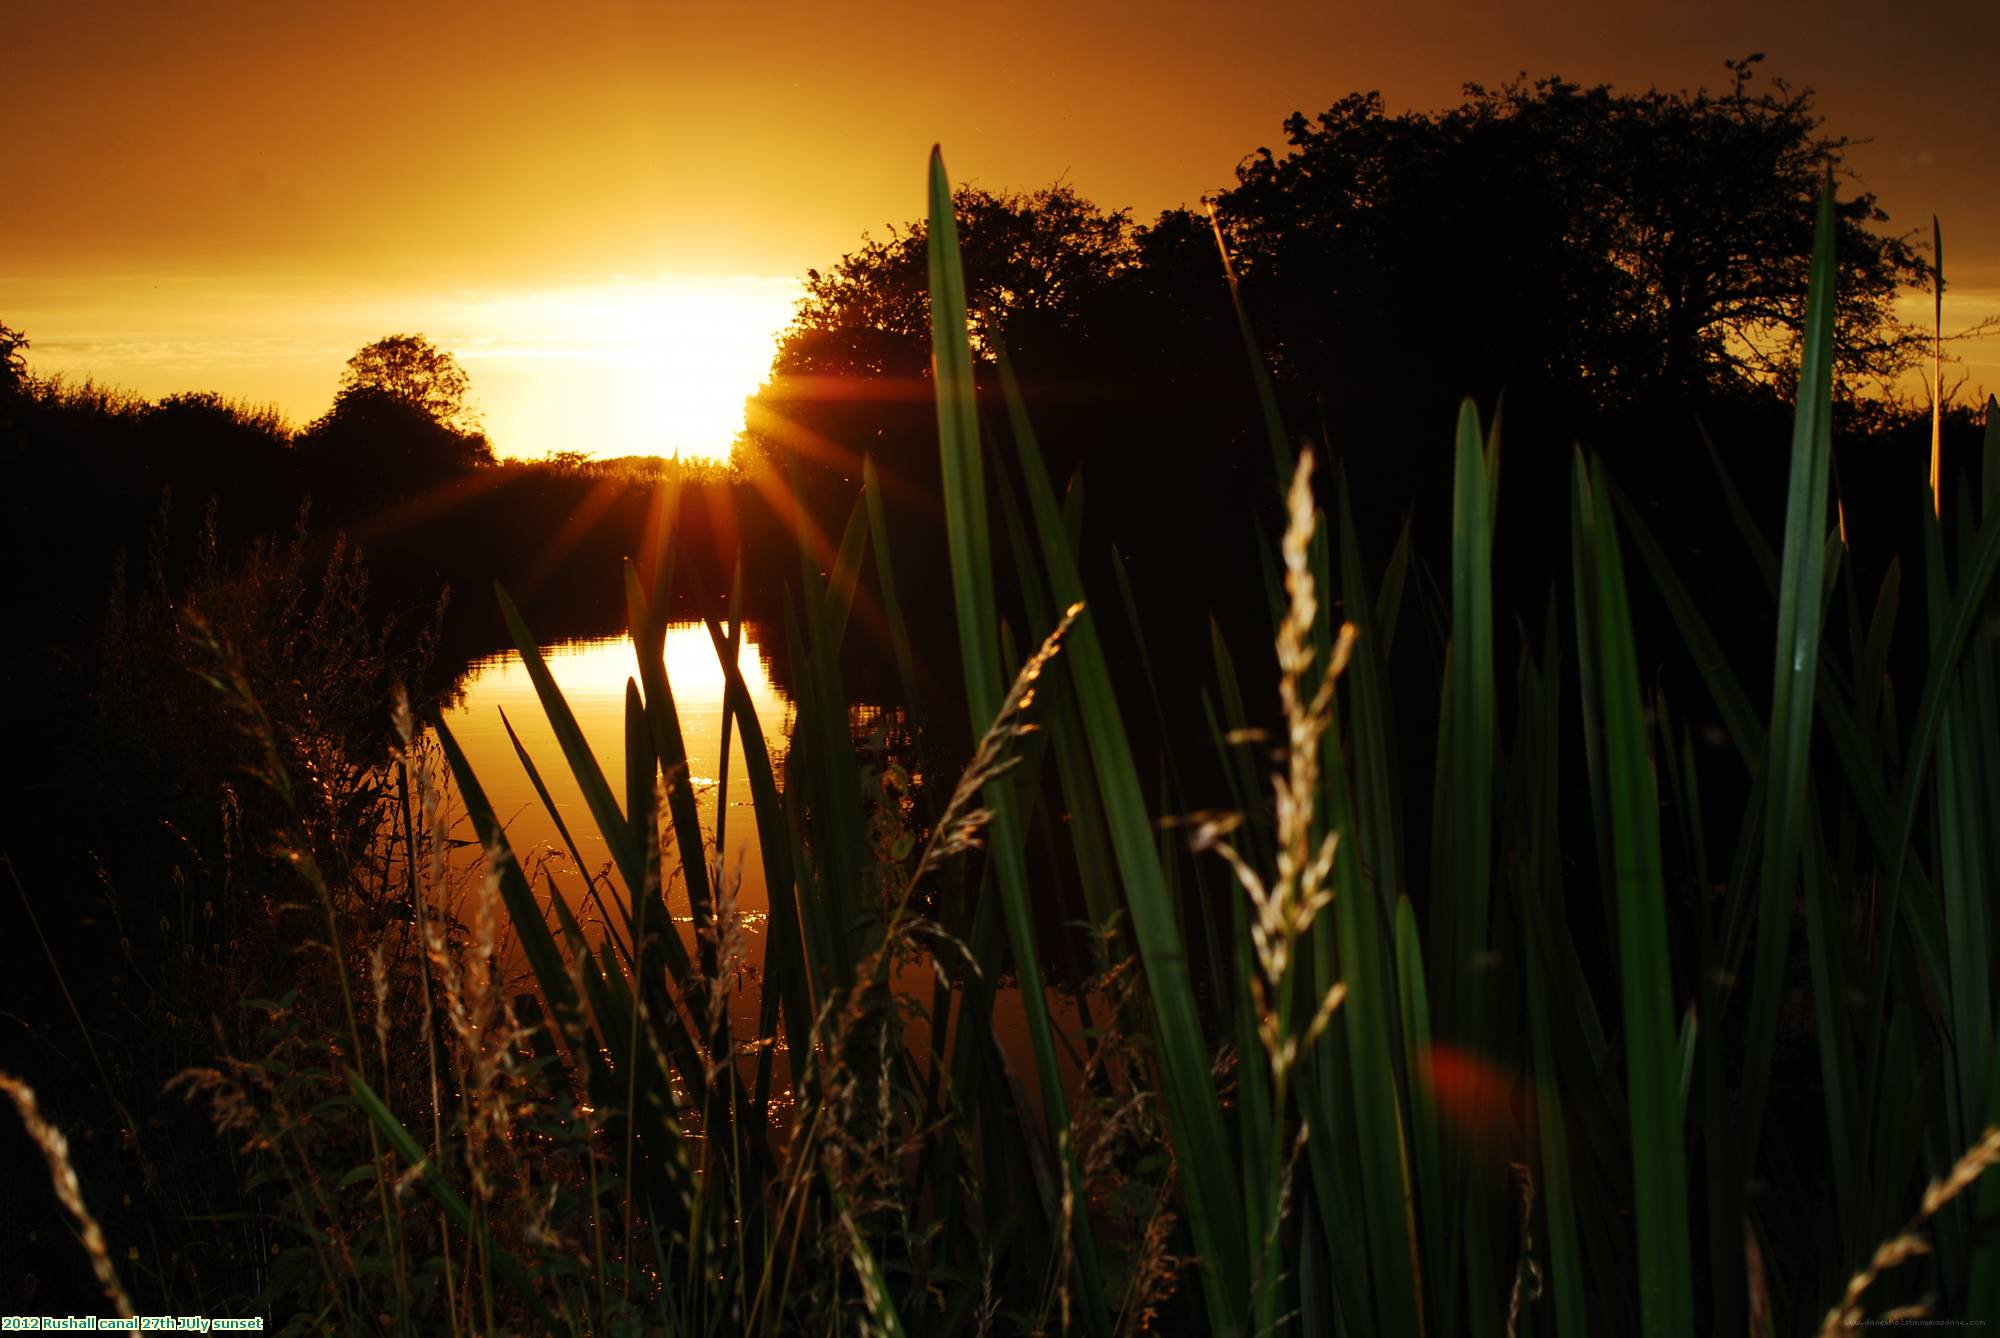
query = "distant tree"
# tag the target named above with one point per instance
(197, 413)
(851, 372)
(399, 421)
(13, 380)
(1031, 259)
(13, 359)
(1607, 263)
(1602, 249)
(1127, 328)
(414, 370)
(373, 445)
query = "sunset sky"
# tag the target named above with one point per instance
(602, 207)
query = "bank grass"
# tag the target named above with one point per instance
(1520, 1060)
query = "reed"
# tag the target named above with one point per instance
(1506, 1066)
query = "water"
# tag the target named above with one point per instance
(592, 675)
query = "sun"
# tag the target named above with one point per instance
(626, 366)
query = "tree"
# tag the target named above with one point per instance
(412, 369)
(1609, 263)
(1127, 328)
(374, 445)
(399, 422)
(1598, 250)
(1034, 261)
(851, 373)
(13, 359)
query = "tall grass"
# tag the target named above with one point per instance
(1535, 1096)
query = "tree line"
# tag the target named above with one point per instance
(1619, 269)
(1613, 268)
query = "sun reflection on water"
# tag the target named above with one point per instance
(592, 676)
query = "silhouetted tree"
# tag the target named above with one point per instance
(1612, 263)
(1034, 258)
(1593, 250)
(399, 422)
(13, 359)
(413, 369)
(207, 446)
(374, 445)
(851, 374)
(13, 382)
(1127, 328)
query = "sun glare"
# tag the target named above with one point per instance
(626, 367)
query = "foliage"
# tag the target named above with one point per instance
(1612, 265)
(1621, 248)
(412, 369)
(13, 359)
(202, 413)
(188, 898)
(399, 421)
(1514, 1060)
(13, 382)
(1033, 256)
(385, 443)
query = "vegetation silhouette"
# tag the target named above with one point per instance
(1352, 254)
(412, 369)
(1611, 268)
(400, 424)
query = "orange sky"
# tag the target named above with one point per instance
(235, 195)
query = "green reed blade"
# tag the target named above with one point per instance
(1566, 1279)
(618, 834)
(966, 527)
(1462, 808)
(1583, 594)
(817, 805)
(665, 742)
(569, 842)
(641, 766)
(583, 765)
(1233, 750)
(1371, 719)
(1537, 881)
(611, 1020)
(1215, 1207)
(1566, 1274)
(962, 460)
(1968, 978)
(1952, 626)
(1831, 956)
(844, 577)
(1095, 870)
(1282, 458)
(1873, 670)
(1863, 767)
(1795, 675)
(1413, 999)
(503, 1264)
(1175, 797)
(1983, 1302)
(1732, 703)
(892, 605)
(1666, 1300)
(1395, 578)
(881, 1310)
(530, 927)
(1371, 1017)
(785, 958)
(559, 990)
(1752, 534)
